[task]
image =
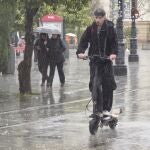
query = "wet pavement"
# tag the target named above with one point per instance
(56, 119)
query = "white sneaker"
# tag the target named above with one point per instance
(100, 114)
(106, 113)
(107, 118)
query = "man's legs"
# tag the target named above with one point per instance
(107, 87)
(107, 99)
(92, 74)
(95, 87)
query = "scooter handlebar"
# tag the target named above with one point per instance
(106, 58)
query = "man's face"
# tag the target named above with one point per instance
(99, 20)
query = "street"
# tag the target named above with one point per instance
(57, 119)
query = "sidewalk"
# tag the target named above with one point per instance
(56, 120)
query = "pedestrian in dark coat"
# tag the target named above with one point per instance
(41, 47)
(102, 38)
(56, 50)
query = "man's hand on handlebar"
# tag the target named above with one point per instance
(112, 57)
(84, 56)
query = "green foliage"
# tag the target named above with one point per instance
(12, 12)
(7, 13)
(127, 35)
(78, 21)
(73, 6)
(43, 10)
(74, 11)
(19, 17)
(82, 17)
(44, 6)
(127, 32)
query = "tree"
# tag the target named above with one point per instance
(7, 13)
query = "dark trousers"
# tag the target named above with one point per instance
(35, 55)
(102, 95)
(60, 72)
(43, 66)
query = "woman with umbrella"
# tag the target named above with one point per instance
(41, 47)
(56, 58)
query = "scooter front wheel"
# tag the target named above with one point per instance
(93, 126)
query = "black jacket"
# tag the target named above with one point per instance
(41, 51)
(56, 51)
(97, 40)
(40, 46)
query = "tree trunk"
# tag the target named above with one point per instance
(7, 13)
(24, 68)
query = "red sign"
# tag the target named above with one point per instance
(51, 18)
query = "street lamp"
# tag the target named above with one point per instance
(120, 68)
(133, 57)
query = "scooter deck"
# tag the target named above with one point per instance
(115, 113)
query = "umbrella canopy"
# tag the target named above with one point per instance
(46, 29)
(43, 30)
(55, 31)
